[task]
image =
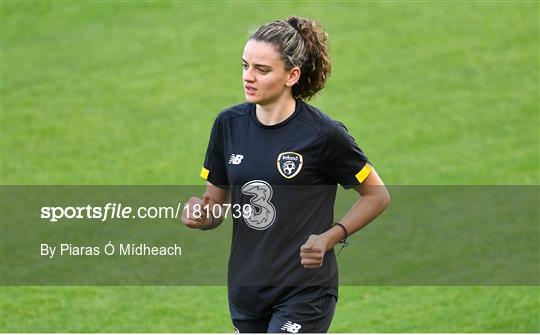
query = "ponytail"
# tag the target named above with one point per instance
(302, 42)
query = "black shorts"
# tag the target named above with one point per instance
(294, 315)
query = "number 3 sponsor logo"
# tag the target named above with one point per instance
(263, 212)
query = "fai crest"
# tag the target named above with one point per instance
(289, 164)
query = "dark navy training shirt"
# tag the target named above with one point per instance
(288, 173)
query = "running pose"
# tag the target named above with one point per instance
(284, 159)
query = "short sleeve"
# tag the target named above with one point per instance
(341, 158)
(214, 169)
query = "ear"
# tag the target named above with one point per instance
(293, 77)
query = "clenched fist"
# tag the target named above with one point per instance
(312, 252)
(194, 214)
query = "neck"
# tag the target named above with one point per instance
(276, 112)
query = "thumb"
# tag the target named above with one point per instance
(310, 242)
(206, 199)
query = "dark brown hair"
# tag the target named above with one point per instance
(301, 42)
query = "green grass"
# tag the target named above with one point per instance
(125, 93)
(204, 309)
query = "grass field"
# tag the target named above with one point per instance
(436, 93)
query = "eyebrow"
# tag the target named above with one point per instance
(260, 65)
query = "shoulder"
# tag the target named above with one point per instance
(233, 112)
(321, 122)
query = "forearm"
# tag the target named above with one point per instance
(365, 210)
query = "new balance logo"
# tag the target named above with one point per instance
(291, 327)
(236, 159)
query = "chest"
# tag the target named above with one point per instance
(279, 157)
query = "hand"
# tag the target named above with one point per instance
(312, 252)
(197, 222)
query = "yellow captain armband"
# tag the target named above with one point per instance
(204, 173)
(362, 174)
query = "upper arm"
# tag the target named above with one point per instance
(373, 184)
(214, 169)
(341, 158)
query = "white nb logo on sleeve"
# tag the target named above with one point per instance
(291, 327)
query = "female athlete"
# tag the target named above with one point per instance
(284, 159)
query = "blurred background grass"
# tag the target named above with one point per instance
(126, 92)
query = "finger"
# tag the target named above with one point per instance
(316, 249)
(309, 243)
(206, 203)
(190, 209)
(311, 255)
(196, 217)
(206, 199)
(185, 211)
(311, 263)
(194, 200)
(191, 215)
(191, 223)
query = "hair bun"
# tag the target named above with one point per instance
(295, 22)
(308, 50)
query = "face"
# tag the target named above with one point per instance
(264, 74)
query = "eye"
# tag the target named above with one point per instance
(244, 66)
(264, 71)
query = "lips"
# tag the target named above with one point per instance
(250, 89)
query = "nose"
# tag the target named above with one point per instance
(247, 75)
